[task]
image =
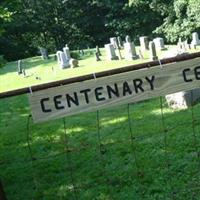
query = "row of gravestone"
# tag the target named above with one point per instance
(116, 43)
(113, 48)
(129, 47)
(183, 46)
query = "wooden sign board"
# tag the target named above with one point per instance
(118, 89)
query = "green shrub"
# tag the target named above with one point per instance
(2, 61)
(75, 55)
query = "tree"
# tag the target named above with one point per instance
(182, 20)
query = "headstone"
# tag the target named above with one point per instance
(62, 61)
(128, 39)
(73, 63)
(98, 51)
(67, 53)
(195, 39)
(113, 41)
(183, 100)
(119, 55)
(44, 53)
(97, 56)
(140, 54)
(110, 52)
(159, 43)
(184, 46)
(19, 67)
(24, 72)
(82, 52)
(120, 43)
(144, 43)
(58, 55)
(181, 47)
(152, 48)
(130, 52)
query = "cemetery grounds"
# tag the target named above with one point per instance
(138, 151)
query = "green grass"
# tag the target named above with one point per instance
(160, 162)
(122, 171)
(36, 67)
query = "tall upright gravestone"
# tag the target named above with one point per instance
(120, 43)
(67, 52)
(195, 39)
(144, 43)
(152, 48)
(98, 51)
(44, 53)
(128, 39)
(19, 67)
(130, 51)
(159, 43)
(114, 42)
(62, 60)
(110, 52)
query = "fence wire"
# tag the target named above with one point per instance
(138, 151)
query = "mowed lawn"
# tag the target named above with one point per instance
(129, 152)
(40, 71)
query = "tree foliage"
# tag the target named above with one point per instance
(29, 24)
(183, 18)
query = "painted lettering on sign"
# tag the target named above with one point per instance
(103, 93)
(187, 71)
(114, 90)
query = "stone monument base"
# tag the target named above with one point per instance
(183, 100)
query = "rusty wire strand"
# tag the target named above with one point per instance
(102, 152)
(167, 162)
(69, 161)
(32, 159)
(133, 148)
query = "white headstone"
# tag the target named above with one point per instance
(128, 38)
(152, 48)
(120, 43)
(113, 41)
(62, 61)
(44, 53)
(58, 54)
(195, 39)
(67, 53)
(159, 43)
(181, 47)
(144, 43)
(110, 52)
(187, 46)
(130, 52)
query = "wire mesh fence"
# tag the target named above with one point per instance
(137, 151)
